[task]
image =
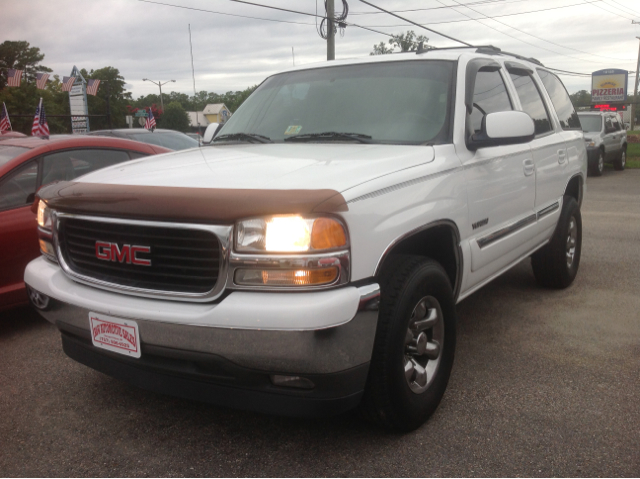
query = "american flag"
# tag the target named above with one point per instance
(41, 80)
(14, 77)
(92, 87)
(40, 126)
(150, 124)
(67, 83)
(5, 124)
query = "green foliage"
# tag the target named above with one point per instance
(406, 42)
(21, 56)
(174, 117)
(111, 86)
(581, 98)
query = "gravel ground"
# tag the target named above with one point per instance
(545, 383)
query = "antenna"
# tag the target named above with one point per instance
(193, 75)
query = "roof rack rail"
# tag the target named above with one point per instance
(486, 49)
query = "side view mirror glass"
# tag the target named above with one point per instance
(503, 128)
(210, 132)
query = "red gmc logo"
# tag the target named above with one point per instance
(128, 254)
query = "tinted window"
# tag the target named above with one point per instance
(608, 125)
(9, 153)
(561, 102)
(18, 187)
(616, 123)
(70, 164)
(394, 102)
(136, 154)
(531, 101)
(591, 123)
(489, 96)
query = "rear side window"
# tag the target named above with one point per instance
(70, 164)
(531, 101)
(18, 187)
(489, 96)
(561, 102)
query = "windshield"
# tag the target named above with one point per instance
(393, 102)
(9, 153)
(591, 123)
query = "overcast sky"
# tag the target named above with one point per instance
(232, 52)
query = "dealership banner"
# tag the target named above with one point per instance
(609, 85)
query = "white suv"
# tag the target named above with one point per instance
(606, 140)
(309, 261)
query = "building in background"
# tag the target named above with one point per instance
(217, 113)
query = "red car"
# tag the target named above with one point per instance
(25, 165)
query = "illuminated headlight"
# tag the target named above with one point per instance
(289, 234)
(44, 216)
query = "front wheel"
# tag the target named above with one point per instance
(415, 344)
(556, 264)
(621, 162)
(598, 166)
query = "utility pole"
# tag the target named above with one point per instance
(635, 90)
(331, 38)
(159, 83)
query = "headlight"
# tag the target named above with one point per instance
(591, 143)
(289, 234)
(44, 216)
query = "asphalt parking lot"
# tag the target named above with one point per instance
(545, 383)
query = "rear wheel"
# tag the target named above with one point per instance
(415, 343)
(556, 264)
(621, 162)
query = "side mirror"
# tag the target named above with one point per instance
(503, 128)
(210, 132)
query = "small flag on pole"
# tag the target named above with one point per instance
(41, 80)
(92, 87)
(67, 83)
(5, 124)
(150, 124)
(40, 126)
(14, 77)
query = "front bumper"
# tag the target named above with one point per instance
(226, 353)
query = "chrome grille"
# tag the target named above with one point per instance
(182, 260)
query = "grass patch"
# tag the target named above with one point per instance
(633, 164)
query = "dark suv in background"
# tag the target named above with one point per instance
(606, 140)
(174, 140)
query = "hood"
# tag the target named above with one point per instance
(274, 167)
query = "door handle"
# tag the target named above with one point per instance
(529, 167)
(562, 156)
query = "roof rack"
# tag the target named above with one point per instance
(486, 49)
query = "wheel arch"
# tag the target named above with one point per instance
(575, 188)
(438, 240)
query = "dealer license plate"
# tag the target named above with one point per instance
(115, 334)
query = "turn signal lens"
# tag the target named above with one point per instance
(327, 233)
(44, 216)
(300, 277)
(46, 248)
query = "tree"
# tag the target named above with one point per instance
(21, 56)
(406, 42)
(174, 117)
(581, 98)
(111, 86)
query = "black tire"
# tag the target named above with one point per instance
(552, 265)
(621, 162)
(409, 283)
(597, 167)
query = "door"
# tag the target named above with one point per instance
(548, 147)
(500, 186)
(18, 234)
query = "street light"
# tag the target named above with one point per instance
(159, 86)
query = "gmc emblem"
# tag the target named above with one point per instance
(128, 254)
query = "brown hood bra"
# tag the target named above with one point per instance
(186, 205)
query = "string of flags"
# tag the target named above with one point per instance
(14, 78)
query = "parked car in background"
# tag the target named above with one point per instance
(606, 140)
(25, 165)
(195, 136)
(174, 140)
(11, 134)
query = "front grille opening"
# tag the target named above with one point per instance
(182, 260)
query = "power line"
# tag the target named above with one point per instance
(416, 24)
(609, 11)
(633, 12)
(486, 2)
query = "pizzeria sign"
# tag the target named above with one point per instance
(609, 85)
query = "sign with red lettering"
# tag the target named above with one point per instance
(609, 85)
(115, 334)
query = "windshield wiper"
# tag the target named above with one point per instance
(331, 135)
(251, 137)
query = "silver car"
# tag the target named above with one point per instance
(606, 140)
